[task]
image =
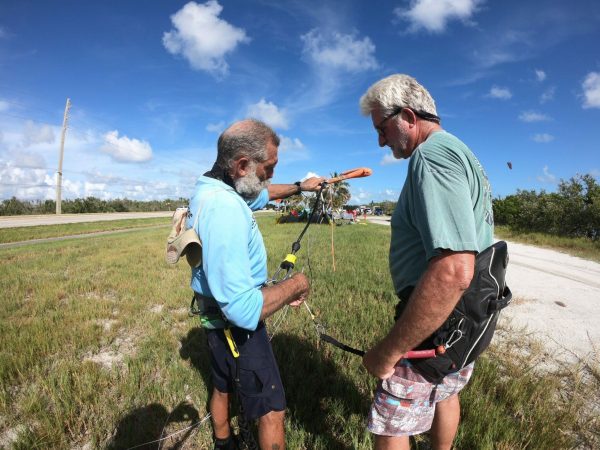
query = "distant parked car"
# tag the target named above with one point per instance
(378, 211)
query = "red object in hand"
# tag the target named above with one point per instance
(354, 173)
(420, 354)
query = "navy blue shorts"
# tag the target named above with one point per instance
(261, 389)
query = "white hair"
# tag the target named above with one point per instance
(397, 91)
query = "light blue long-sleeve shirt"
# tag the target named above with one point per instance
(234, 259)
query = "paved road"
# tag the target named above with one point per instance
(53, 219)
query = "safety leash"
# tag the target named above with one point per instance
(321, 332)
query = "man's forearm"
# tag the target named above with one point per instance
(277, 191)
(430, 304)
(311, 184)
(282, 293)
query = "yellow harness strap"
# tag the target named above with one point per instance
(231, 342)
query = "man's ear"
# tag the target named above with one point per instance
(240, 167)
(409, 116)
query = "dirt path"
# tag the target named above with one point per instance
(75, 236)
(557, 298)
(53, 219)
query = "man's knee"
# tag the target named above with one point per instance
(220, 396)
(272, 418)
(451, 403)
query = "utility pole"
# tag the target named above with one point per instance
(60, 159)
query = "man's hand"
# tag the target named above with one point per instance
(303, 286)
(293, 290)
(312, 184)
(298, 302)
(378, 363)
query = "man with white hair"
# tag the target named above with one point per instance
(442, 220)
(229, 285)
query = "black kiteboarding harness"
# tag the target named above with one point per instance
(469, 329)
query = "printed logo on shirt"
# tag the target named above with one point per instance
(489, 212)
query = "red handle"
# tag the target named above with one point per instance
(354, 173)
(420, 354)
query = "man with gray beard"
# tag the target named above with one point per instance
(229, 285)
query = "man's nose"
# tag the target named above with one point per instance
(382, 140)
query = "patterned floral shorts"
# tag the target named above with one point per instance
(404, 404)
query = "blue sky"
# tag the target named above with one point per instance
(152, 84)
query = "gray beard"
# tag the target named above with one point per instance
(250, 186)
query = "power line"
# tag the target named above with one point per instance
(28, 185)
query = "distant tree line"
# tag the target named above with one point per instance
(14, 207)
(572, 211)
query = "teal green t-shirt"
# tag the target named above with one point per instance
(446, 203)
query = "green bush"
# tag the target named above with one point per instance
(573, 211)
(15, 207)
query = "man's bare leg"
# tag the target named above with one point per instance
(445, 423)
(391, 442)
(271, 431)
(219, 410)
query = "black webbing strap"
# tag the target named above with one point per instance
(340, 345)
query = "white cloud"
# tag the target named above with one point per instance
(4, 105)
(97, 190)
(540, 75)
(388, 159)
(501, 93)
(25, 183)
(215, 127)
(340, 51)
(591, 90)
(125, 149)
(543, 138)
(433, 15)
(201, 37)
(548, 94)
(309, 175)
(533, 116)
(37, 134)
(547, 177)
(291, 150)
(268, 113)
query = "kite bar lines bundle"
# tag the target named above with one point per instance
(287, 265)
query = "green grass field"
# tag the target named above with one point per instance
(98, 351)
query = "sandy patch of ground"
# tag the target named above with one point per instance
(558, 300)
(115, 354)
(11, 436)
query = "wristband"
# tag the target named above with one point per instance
(298, 187)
